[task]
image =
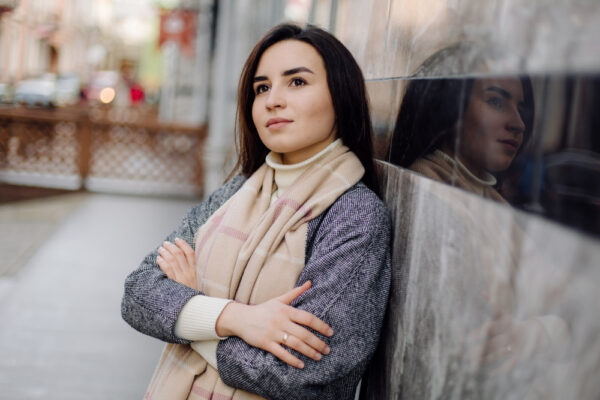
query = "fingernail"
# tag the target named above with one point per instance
(300, 365)
(317, 356)
(327, 350)
(330, 332)
(177, 240)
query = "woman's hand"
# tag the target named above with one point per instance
(504, 343)
(273, 324)
(178, 262)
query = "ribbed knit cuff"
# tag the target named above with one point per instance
(198, 318)
(208, 350)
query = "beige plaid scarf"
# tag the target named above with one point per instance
(252, 251)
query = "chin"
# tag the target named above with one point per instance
(499, 166)
(282, 149)
(275, 146)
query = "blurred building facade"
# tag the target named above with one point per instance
(45, 36)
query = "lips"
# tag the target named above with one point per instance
(511, 143)
(277, 122)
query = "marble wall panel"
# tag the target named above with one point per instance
(491, 298)
(486, 302)
(392, 38)
(384, 102)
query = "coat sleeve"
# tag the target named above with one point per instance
(348, 263)
(151, 302)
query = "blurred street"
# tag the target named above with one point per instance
(64, 262)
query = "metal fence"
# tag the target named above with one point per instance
(100, 149)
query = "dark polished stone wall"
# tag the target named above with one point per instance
(496, 253)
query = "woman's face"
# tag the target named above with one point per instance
(292, 109)
(492, 128)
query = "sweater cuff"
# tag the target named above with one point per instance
(208, 350)
(198, 318)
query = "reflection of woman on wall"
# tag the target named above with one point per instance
(463, 131)
(299, 241)
(466, 132)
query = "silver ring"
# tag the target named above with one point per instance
(285, 337)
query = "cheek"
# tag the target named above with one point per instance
(480, 127)
(323, 114)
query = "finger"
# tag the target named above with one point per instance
(164, 266)
(308, 338)
(500, 325)
(288, 297)
(506, 366)
(187, 251)
(497, 349)
(179, 256)
(301, 347)
(167, 256)
(307, 319)
(284, 355)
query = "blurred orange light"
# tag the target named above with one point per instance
(107, 95)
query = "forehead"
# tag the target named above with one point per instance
(288, 54)
(510, 84)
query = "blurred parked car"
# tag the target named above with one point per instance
(48, 90)
(36, 92)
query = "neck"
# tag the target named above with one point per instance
(286, 174)
(473, 169)
(299, 156)
(487, 179)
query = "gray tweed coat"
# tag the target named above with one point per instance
(348, 262)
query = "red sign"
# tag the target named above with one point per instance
(178, 26)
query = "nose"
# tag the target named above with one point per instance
(515, 124)
(275, 98)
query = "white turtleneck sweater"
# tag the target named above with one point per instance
(488, 180)
(198, 317)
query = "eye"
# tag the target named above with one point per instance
(297, 82)
(260, 89)
(495, 102)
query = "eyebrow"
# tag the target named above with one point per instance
(284, 73)
(500, 91)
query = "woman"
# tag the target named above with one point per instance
(464, 132)
(299, 240)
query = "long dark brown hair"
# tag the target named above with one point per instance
(348, 94)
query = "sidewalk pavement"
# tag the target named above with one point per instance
(61, 332)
